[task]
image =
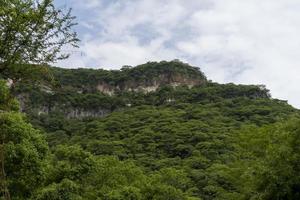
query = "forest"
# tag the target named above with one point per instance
(156, 131)
(212, 141)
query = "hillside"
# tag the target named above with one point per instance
(79, 93)
(158, 131)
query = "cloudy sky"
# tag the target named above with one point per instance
(240, 41)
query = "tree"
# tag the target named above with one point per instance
(266, 166)
(7, 103)
(33, 32)
(23, 150)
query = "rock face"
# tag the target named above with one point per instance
(89, 93)
(105, 88)
(70, 112)
(81, 113)
(82, 93)
(151, 85)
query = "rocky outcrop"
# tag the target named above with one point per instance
(106, 88)
(79, 93)
(78, 113)
(147, 86)
(82, 113)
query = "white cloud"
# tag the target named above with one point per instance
(253, 41)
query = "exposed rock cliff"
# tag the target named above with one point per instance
(80, 93)
(90, 93)
(151, 84)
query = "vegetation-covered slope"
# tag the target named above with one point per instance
(183, 137)
(85, 92)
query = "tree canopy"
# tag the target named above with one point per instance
(197, 140)
(34, 32)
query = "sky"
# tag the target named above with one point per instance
(239, 41)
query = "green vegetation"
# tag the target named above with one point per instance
(149, 72)
(158, 131)
(209, 141)
(77, 89)
(30, 32)
(33, 32)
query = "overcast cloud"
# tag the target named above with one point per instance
(249, 41)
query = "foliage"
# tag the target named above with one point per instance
(146, 73)
(80, 175)
(33, 32)
(25, 149)
(211, 141)
(7, 102)
(79, 89)
(268, 164)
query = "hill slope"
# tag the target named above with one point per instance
(81, 93)
(179, 129)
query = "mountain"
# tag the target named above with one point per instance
(88, 92)
(82, 93)
(160, 130)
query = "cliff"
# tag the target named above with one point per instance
(80, 93)
(143, 78)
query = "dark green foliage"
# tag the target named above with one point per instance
(271, 154)
(209, 141)
(78, 174)
(33, 32)
(23, 148)
(146, 73)
(81, 88)
(7, 102)
(191, 137)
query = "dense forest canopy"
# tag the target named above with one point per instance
(33, 32)
(195, 139)
(157, 131)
